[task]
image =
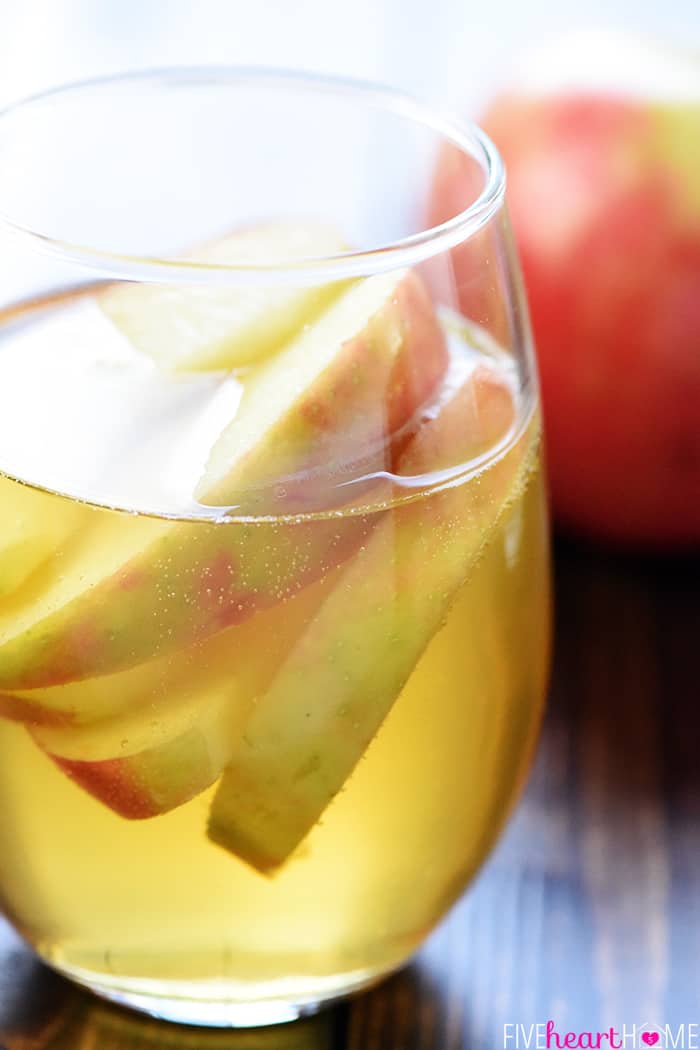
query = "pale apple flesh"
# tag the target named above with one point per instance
(28, 538)
(167, 775)
(203, 327)
(330, 697)
(91, 701)
(133, 591)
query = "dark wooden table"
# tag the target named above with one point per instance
(589, 911)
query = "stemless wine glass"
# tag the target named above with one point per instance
(273, 546)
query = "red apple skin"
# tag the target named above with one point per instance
(606, 212)
(145, 785)
(117, 785)
(20, 709)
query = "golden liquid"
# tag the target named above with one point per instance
(152, 906)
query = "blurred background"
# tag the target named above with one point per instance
(444, 49)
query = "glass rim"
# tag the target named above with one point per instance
(464, 134)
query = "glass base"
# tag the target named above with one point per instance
(210, 1014)
(216, 1006)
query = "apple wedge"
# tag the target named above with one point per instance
(134, 588)
(169, 773)
(91, 701)
(175, 738)
(332, 693)
(333, 426)
(200, 327)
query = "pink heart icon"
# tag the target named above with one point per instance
(650, 1038)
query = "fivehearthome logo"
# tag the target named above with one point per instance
(546, 1035)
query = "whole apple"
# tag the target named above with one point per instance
(604, 193)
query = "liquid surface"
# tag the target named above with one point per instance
(84, 414)
(105, 424)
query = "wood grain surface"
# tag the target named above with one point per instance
(588, 913)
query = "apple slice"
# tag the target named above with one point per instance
(28, 537)
(332, 693)
(132, 589)
(176, 737)
(79, 718)
(170, 773)
(332, 407)
(203, 327)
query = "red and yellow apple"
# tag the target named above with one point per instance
(604, 193)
